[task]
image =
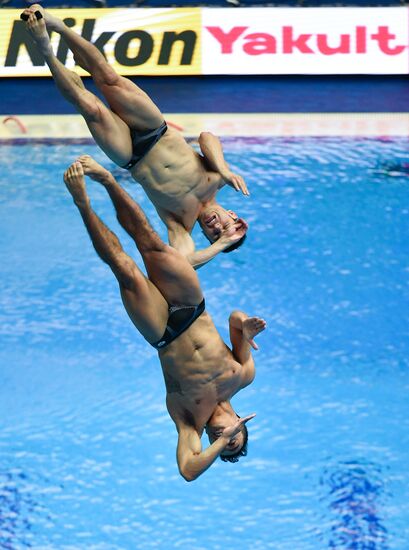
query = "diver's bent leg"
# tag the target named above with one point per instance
(110, 132)
(124, 97)
(129, 213)
(169, 270)
(86, 55)
(105, 242)
(143, 302)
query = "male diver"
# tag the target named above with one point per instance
(179, 238)
(181, 183)
(167, 307)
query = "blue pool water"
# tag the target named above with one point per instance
(87, 451)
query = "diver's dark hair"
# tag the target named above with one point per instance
(235, 245)
(242, 451)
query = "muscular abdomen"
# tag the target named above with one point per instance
(198, 358)
(172, 174)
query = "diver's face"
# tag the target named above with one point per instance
(216, 220)
(215, 431)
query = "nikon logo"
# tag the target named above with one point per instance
(186, 41)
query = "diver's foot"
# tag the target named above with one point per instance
(251, 327)
(94, 170)
(38, 31)
(75, 182)
(52, 22)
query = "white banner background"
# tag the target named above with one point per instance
(332, 22)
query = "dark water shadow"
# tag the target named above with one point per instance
(16, 508)
(354, 495)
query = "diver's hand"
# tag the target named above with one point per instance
(233, 232)
(235, 181)
(233, 430)
(251, 327)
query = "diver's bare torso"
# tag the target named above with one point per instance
(175, 178)
(200, 372)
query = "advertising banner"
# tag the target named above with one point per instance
(306, 41)
(134, 41)
(217, 41)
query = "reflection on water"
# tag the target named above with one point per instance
(354, 495)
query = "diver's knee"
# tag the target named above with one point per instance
(89, 107)
(105, 75)
(125, 271)
(155, 246)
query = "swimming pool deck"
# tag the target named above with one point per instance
(73, 127)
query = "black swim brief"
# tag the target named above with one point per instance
(180, 318)
(142, 143)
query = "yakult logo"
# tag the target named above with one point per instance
(288, 41)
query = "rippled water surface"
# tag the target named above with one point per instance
(87, 451)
